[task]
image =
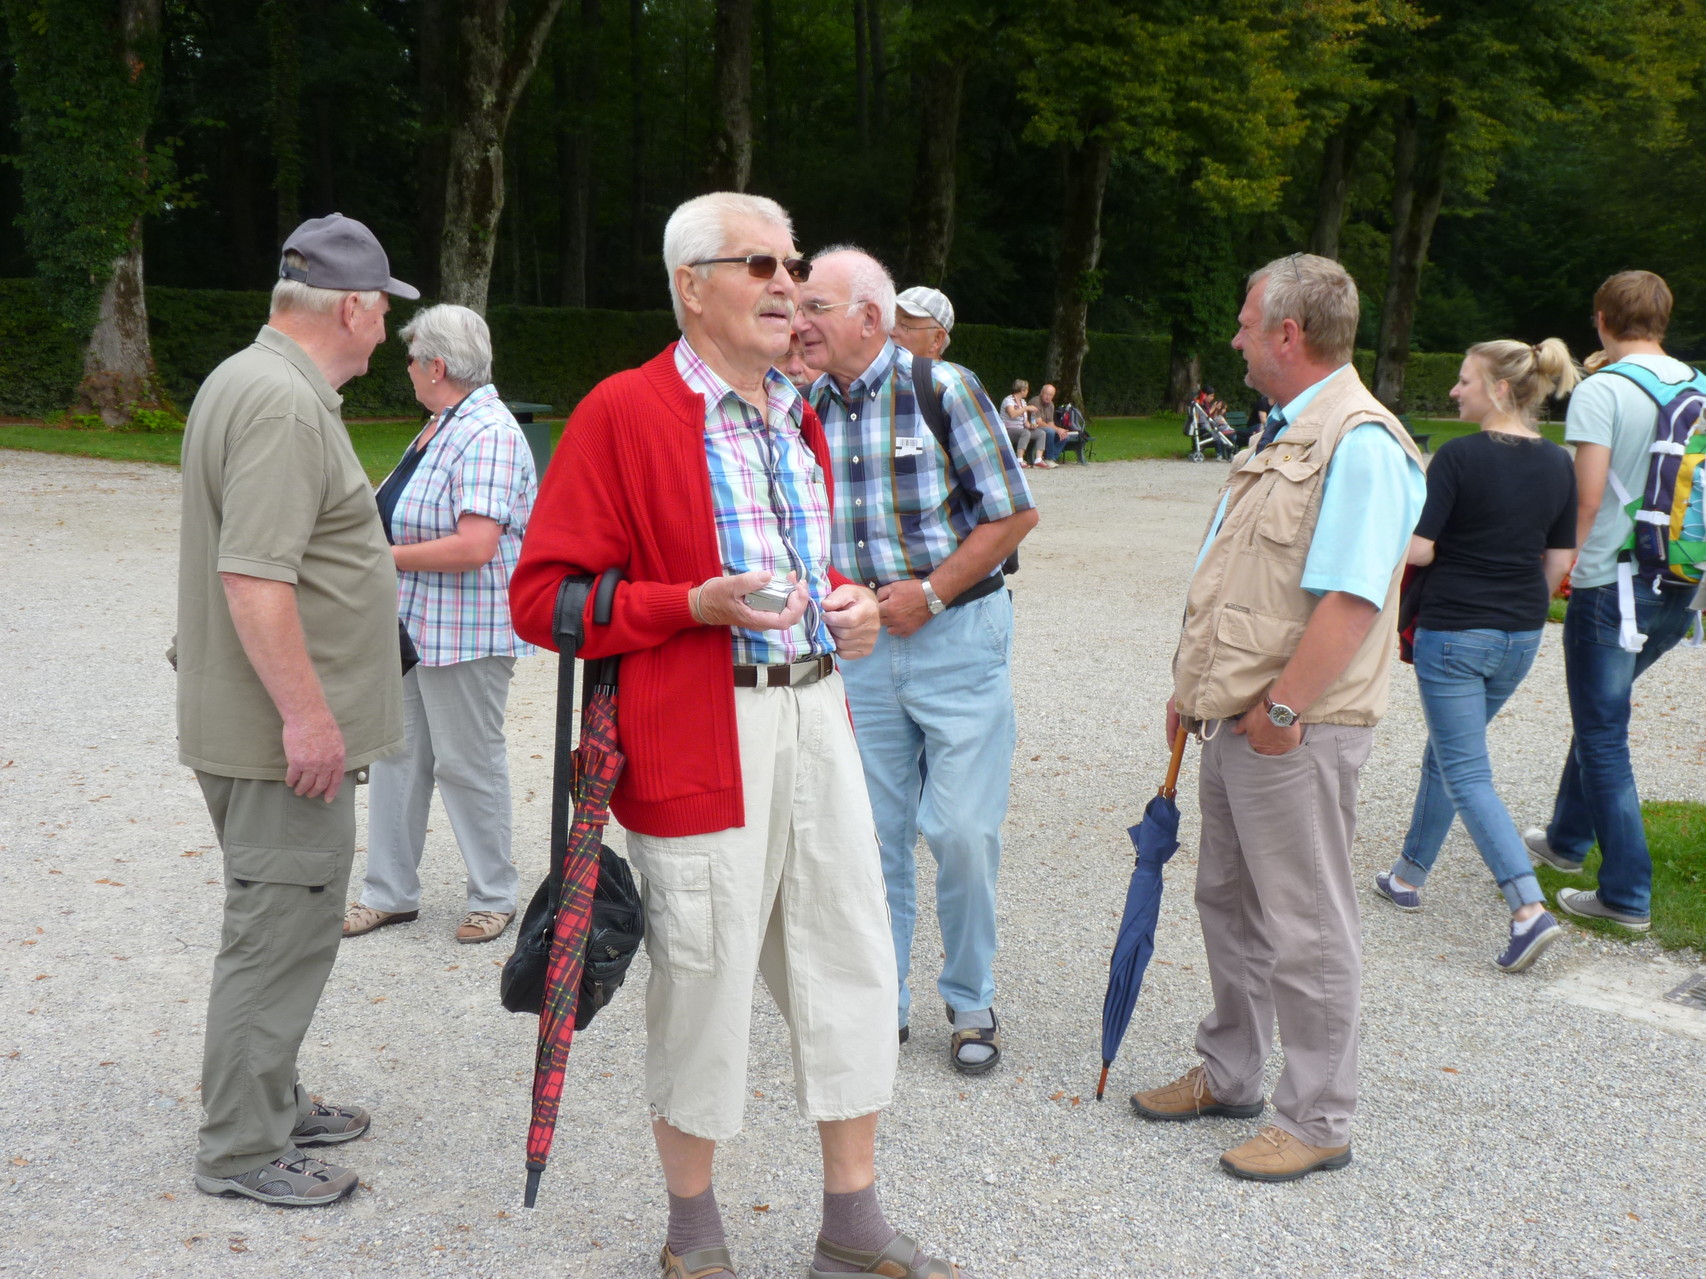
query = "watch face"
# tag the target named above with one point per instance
(1282, 716)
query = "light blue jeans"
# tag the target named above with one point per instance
(933, 714)
(1464, 678)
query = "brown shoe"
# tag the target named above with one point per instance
(483, 925)
(359, 919)
(1188, 1097)
(1273, 1154)
(700, 1263)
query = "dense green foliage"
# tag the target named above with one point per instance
(553, 355)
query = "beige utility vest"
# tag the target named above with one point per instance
(1247, 608)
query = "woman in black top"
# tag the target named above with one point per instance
(1498, 534)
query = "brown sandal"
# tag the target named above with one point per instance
(701, 1263)
(990, 1037)
(893, 1262)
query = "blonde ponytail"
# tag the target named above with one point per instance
(1530, 373)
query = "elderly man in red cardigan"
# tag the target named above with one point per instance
(701, 475)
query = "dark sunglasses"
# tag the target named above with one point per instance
(762, 266)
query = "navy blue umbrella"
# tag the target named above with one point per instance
(1157, 839)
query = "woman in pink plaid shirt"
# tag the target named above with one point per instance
(454, 509)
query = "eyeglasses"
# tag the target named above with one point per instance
(762, 266)
(824, 308)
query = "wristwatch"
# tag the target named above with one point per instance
(1279, 714)
(931, 600)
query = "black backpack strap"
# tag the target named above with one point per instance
(930, 401)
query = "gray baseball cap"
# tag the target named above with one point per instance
(341, 254)
(928, 304)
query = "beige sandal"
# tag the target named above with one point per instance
(893, 1262)
(482, 925)
(359, 919)
(698, 1264)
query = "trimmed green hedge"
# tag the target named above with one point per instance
(554, 356)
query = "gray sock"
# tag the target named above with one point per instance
(695, 1223)
(975, 1054)
(856, 1220)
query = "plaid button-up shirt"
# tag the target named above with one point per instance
(768, 500)
(477, 463)
(902, 504)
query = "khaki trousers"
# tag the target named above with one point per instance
(1280, 924)
(287, 866)
(795, 895)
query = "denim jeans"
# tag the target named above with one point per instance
(1056, 444)
(1597, 800)
(1464, 678)
(933, 716)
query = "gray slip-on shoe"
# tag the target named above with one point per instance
(295, 1180)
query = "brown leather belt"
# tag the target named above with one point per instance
(797, 675)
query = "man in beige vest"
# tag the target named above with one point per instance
(1282, 667)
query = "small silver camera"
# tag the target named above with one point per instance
(772, 597)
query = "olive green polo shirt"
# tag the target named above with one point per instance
(272, 489)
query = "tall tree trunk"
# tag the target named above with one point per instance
(1418, 189)
(1338, 164)
(930, 212)
(285, 50)
(730, 168)
(1076, 279)
(638, 256)
(577, 96)
(436, 62)
(118, 365)
(879, 70)
(767, 51)
(496, 67)
(861, 78)
(1184, 369)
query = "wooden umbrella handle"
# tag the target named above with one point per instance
(1170, 787)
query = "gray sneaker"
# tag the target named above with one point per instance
(1585, 904)
(296, 1180)
(328, 1125)
(1539, 851)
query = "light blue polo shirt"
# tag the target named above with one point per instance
(1370, 502)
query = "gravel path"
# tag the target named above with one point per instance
(1503, 1130)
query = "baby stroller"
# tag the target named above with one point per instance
(1205, 430)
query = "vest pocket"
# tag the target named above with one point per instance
(1291, 490)
(1265, 633)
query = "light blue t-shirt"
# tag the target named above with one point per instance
(1370, 502)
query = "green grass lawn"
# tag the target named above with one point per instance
(1676, 837)
(1124, 439)
(377, 444)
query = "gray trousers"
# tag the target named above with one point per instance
(287, 866)
(1281, 925)
(453, 729)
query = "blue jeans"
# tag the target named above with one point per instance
(933, 715)
(1597, 800)
(1056, 444)
(1464, 678)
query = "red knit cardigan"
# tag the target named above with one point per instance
(629, 487)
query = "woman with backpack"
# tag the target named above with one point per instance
(1497, 535)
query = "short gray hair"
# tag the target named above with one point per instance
(869, 281)
(699, 229)
(455, 335)
(1320, 296)
(293, 295)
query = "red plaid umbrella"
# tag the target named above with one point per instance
(597, 766)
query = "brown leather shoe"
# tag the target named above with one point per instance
(1273, 1154)
(1188, 1097)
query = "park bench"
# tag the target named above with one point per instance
(1421, 439)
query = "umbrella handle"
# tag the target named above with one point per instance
(1170, 787)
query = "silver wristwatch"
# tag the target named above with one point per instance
(1279, 714)
(931, 600)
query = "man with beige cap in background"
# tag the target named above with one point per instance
(923, 320)
(289, 682)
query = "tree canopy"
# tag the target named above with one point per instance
(1070, 165)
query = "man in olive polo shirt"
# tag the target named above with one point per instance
(288, 682)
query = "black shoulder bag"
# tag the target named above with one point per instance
(618, 923)
(936, 414)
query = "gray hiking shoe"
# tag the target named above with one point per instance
(295, 1180)
(1539, 852)
(1585, 904)
(328, 1125)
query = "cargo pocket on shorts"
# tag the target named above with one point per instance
(677, 894)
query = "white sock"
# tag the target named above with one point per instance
(1526, 925)
(975, 1054)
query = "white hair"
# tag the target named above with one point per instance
(293, 295)
(699, 229)
(455, 335)
(868, 280)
